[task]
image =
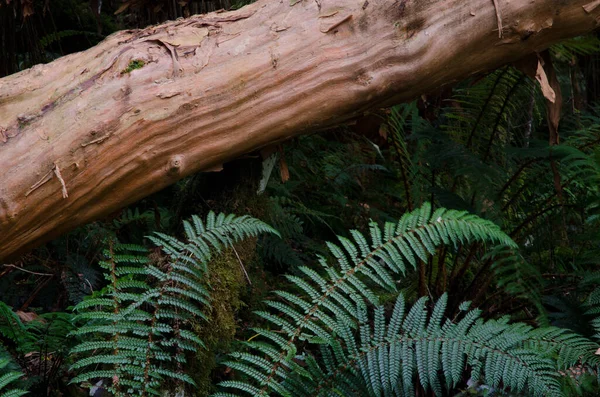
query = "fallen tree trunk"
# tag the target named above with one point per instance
(94, 131)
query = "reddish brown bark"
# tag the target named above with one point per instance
(84, 135)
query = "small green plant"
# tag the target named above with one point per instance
(133, 64)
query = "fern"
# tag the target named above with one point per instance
(12, 328)
(290, 226)
(8, 376)
(361, 353)
(143, 314)
(583, 45)
(372, 356)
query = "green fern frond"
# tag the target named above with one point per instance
(333, 309)
(141, 317)
(9, 377)
(583, 45)
(217, 233)
(371, 356)
(12, 327)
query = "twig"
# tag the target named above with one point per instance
(242, 265)
(28, 271)
(98, 140)
(39, 183)
(46, 178)
(34, 294)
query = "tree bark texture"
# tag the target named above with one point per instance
(94, 131)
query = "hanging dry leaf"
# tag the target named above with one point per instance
(123, 7)
(383, 131)
(27, 8)
(283, 168)
(553, 108)
(542, 78)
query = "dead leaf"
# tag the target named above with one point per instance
(542, 78)
(26, 317)
(123, 7)
(26, 8)
(283, 168)
(554, 106)
(383, 131)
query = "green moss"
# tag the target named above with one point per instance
(133, 64)
(226, 285)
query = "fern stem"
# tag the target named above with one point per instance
(422, 278)
(440, 280)
(459, 271)
(536, 215)
(509, 95)
(307, 318)
(113, 279)
(479, 118)
(515, 197)
(516, 174)
(505, 103)
(485, 105)
(482, 278)
(151, 333)
(401, 158)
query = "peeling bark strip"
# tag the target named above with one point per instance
(498, 18)
(147, 107)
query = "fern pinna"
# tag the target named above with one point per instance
(9, 375)
(138, 322)
(335, 340)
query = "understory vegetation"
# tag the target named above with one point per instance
(447, 246)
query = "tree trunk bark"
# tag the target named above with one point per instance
(94, 131)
